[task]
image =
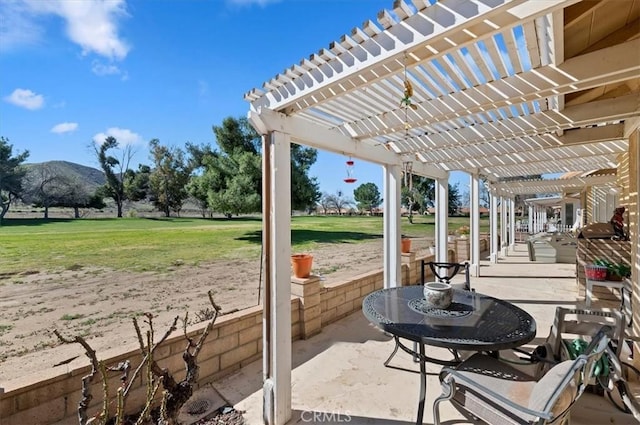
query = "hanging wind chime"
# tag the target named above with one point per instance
(350, 165)
(406, 103)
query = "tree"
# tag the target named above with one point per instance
(46, 188)
(305, 192)
(136, 183)
(11, 175)
(77, 196)
(233, 176)
(423, 195)
(454, 199)
(417, 193)
(233, 180)
(114, 170)
(198, 186)
(169, 178)
(339, 201)
(367, 196)
(325, 202)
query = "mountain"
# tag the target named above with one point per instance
(91, 177)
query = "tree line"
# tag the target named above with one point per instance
(227, 180)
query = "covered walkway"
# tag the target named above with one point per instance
(338, 376)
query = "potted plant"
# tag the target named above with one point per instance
(463, 231)
(301, 264)
(615, 271)
(618, 271)
(405, 244)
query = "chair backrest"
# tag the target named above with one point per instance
(564, 383)
(444, 272)
(576, 323)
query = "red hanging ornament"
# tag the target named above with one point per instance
(350, 178)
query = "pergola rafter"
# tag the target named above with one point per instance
(524, 187)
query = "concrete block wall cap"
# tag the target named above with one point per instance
(305, 280)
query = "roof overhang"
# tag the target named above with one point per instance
(502, 88)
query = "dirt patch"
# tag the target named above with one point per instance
(99, 304)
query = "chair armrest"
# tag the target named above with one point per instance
(452, 376)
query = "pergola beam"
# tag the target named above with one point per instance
(316, 136)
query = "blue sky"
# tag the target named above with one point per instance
(74, 71)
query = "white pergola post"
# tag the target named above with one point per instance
(493, 217)
(277, 296)
(442, 219)
(512, 222)
(503, 225)
(530, 217)
(391, 226)
(475, 224)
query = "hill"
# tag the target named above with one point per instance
(91, 177)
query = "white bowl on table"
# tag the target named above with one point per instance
(438, 294)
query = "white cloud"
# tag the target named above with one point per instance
(17, 27)
(261, 3)
(203, 88)
(64, 127)
(92, 24)
(25, 99)
(101, 69)
(123, 136)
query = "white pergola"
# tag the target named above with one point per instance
(501, 89)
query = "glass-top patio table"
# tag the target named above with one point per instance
(473, 322)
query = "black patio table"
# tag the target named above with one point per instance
(473, 322)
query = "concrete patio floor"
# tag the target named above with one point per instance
(338, 376)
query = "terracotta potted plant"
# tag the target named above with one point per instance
(405, 244)
(301, 264)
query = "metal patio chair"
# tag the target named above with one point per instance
(571, 324)
(487, 388)
(444, 272)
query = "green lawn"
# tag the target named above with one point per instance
(145, 244)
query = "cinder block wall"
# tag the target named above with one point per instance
(234, 341)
